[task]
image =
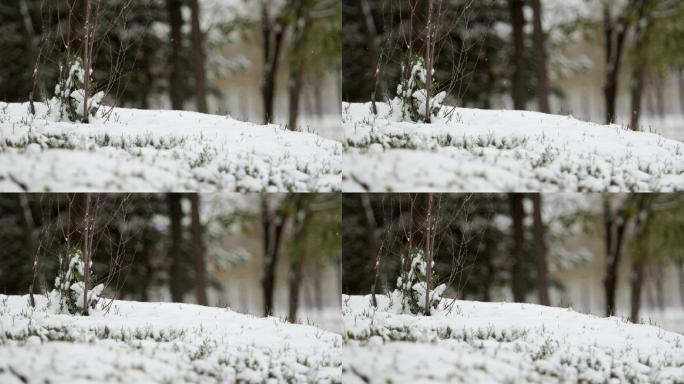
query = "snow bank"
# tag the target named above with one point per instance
(160, 342)
(503, 342)
(146, 150)
(495, 150)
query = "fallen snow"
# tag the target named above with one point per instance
(495, 150)
(151, 150)
(473, 342)
(160, 342)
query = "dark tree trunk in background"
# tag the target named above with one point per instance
(680, 273)
(486, 258)
(615, 225)
(25, 221)
(273, 225)
(74, 233)
(318, 287)
(416, 39)
(198, 58)
(176, 73)
(198, 250)
(660, 286)
(272, 33)
(295, 287)
(540, 58)
(641, 228)
(88, 47)
(541, 251)
(297, 261)
(429, 249)
(517, 268)
(614, 34)
(25, 29)
(147, 71)
(372, 245)
(74, 27)
(643, 27)
(88, 227)
(519, 81)
(147, 271)
(299, 37)
(364, 11)
(176, 273)
(681, 88)
(430, 47)
(636, 281)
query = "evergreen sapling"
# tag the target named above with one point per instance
(70, 93)
(70, 283)
(412, 93)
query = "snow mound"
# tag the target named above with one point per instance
(495, 150)
(160, 343)
(149, 150)
(471, 342)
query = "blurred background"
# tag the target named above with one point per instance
(246, 58)
(592, 59)
(273, 254)
(618, 254)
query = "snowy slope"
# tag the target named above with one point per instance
(503, 343)
(145, 150)
(160, 343)
(495, 150)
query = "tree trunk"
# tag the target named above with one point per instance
(517, 269)
(295, 287)
(416, 40)
(176, 74)
(429, 249)
(614, 33)
(198, 58)
(372, 245)
(641, 229)
(519, 81)
(660, 286)
(273, 225)
(299, 38)
(176, 275)
(25, 29)
(486, 258)
(74, 233)
(639, 69)
(297, 260)
(25, 221)
(429, 60)
(74, 27)
(87, 247)
(198, 250)
(368, 25)
(147, 271)
(615, 225)
(680, 273)
(541, 67)
(88, 43)
(681, 88)
(636, 281)
(542, 254)
(272, 33)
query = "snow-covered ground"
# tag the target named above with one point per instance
(469, 342)
(499, 151)
(151, 150)
(160, 343)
